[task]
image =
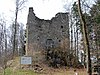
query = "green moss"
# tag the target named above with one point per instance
(9, 71)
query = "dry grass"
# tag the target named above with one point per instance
(14, 70)
(63, 71)
(70, 72)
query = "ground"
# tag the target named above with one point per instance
(9, 71)
(63, 71)
(14, 69)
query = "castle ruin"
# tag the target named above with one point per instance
(42, 34)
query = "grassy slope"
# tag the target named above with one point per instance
(12, 71)
(9, 71)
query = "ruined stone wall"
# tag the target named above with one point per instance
(39, 31)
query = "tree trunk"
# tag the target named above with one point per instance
(86, 41)
(15, 33)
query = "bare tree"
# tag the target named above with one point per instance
(3, 44)
(85, 36)
(19, 6)
(21, 40)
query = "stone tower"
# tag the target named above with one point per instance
(42, 34)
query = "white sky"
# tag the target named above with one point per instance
(44, 9)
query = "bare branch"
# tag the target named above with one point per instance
(85, 36)
(21, 3)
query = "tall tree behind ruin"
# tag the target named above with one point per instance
(19, 6)
(21, 40)
(76, 30)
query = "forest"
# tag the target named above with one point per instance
(84, 25)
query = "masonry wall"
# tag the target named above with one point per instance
(40, 31)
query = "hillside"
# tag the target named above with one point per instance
(14, 68)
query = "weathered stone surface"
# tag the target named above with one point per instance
(43, 33)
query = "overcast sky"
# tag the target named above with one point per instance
(44, 9)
